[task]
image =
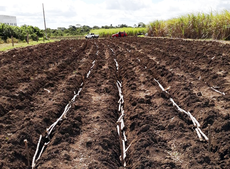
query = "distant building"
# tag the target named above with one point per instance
(9, 20)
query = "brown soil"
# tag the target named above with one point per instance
(38, 82)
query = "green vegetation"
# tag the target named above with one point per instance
(20, 33)
(108, 32)
(8, 46)
(34, 33)
(194, 26)
(104, 31)
(73, 32)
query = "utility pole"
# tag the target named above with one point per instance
(44, 19)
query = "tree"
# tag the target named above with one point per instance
(72, 28)
(49, 32)
(6, 31)
(58, 32)
(96, 27)
(111, 26)
(37, 31)
(141, 24)
(86, 28)
(122, 26)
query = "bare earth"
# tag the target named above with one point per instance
(38, 82)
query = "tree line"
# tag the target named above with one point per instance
(6, 31)
(20, 33)
(85, 29)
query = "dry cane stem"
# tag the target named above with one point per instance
(121, 144)
(123, 151)
(218, 91)
(195, 122)
(198, 133)
(162, 88)
(33, 162)
(49, 130)
(205, 137)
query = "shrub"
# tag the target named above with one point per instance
(33, 36)
(16, 40)
(9, 40)
(1, 41)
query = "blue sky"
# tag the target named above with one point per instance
(62, 13)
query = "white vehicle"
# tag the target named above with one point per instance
(91, 36)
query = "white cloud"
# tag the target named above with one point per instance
(2, 8)
(129, 5)
(62, 13)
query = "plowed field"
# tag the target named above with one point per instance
(110, 103)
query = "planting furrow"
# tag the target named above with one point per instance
(207, 63)
(19, 90)
(198, 86)
(96, 145)
(181, 89)
(145, 118)
(38, 53)
(120, 122)
(29, 98)
(203, 84)
(49, 131)
(35, 60)
(36, 112)
(143, 123)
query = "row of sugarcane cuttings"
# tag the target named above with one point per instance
(49, 130)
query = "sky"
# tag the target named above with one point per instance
(62, 13)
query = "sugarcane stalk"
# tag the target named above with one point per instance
(198, 133)
(47, 90)
(42, 150)
(217, 91)
(205, 137)
(122, 124)
(124, 136)
(162, 88)
(119, 119)
(35, 154)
